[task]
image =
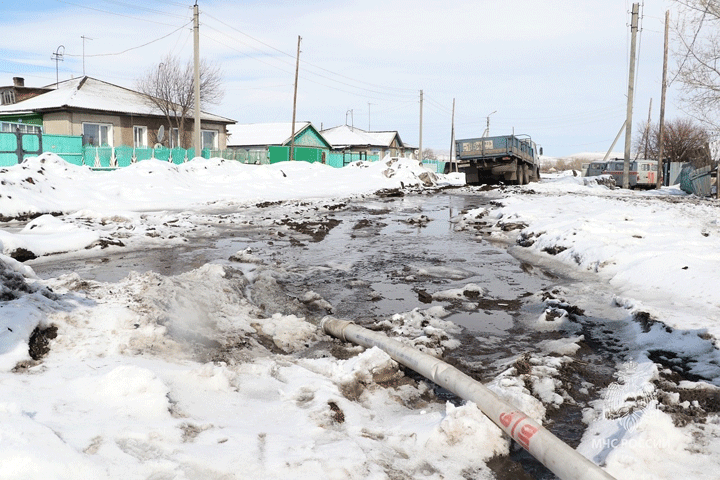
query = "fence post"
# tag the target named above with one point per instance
(18, 145)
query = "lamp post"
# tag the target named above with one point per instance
(487, 128)
(58, 57)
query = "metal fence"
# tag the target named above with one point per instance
(71, 149)
(16, 146)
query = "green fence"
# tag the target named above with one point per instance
(340, 159)
(123, 156)
(302, 154)
(435, 165)
(257, 157)
(16, 146)
(71, 149)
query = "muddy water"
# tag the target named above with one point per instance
(373, 258)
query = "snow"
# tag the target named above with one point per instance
(262, 134)
(130, 388)
(90, 93)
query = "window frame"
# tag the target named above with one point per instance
(174, 140)
(215, 139)
(12, 127)
(110, 134)
(143, 136)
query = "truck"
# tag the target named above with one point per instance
(510, 159)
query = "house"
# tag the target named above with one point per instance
(18, 92)
(102, 113)
(352, 139)
(261, 139)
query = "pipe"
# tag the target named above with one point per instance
(563, 460)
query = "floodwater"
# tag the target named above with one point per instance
(372, 258)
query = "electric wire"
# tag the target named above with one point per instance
(131, 48)
(399, 89)
(79, 5)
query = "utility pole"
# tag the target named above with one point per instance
(369, 115)
(420, 146)
(452, 137)
(662, 106)
(196, 30)
(58, 57)
(83, 39)
(631, 91)
(292, 134)
(647, 131)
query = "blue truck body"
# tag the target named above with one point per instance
(507, 159)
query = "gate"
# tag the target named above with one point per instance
(15, 146)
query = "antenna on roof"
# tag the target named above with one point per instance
(84, 38)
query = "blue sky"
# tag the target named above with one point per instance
(556, 70)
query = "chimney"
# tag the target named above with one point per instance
(18, 81)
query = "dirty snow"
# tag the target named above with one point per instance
(183, 376)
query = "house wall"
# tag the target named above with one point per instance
(70, 123)
(309, 138)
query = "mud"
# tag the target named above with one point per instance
(370, 259)
(39, 344)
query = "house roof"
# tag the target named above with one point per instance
(87, 93)
(346, 136)
(256, 134)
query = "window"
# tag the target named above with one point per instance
(174, 138)
(98, 134)
(139, 136)
(7, 97)
(12, 127)
(209, 139)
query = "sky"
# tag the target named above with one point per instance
(557, 71)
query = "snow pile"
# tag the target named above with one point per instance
(116, 200)
(129, 391)
(47, 184)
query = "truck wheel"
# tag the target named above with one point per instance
(519, 175)
(526, 174)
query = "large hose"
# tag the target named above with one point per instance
(556, 455)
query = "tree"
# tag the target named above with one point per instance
(169, 86)
(685, 141)
(698, 54)
(429, 154)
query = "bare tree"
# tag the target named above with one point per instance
(169, 86)
(685, 141)
(698, 58)
(429, 154)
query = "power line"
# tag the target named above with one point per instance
(145, 8)
(304, 77)
(385, 87)
(132, 48)
(114, 13)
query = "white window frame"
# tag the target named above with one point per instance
(174, 138)
(8, 97)
(100, 126)
(215, 139)
(12, 127)
(140, 136)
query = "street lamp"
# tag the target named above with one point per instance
(58, 57)
(487, 128)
